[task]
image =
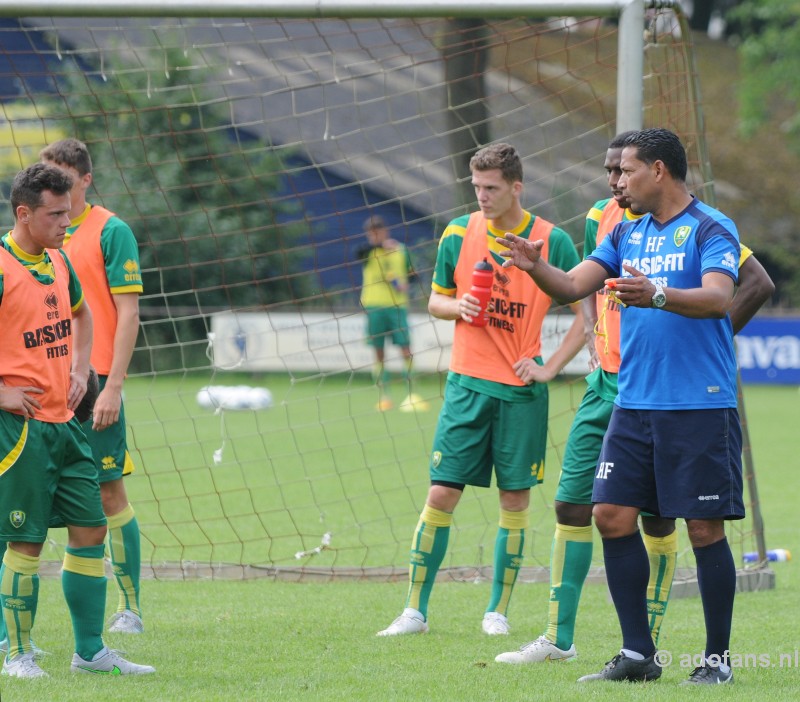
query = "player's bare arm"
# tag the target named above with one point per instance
(81, 353)
(711, 301)
(107, 406)
(564, 287)
(755, 288)
(589, 307)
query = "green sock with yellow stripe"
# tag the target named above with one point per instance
(509, 549)
(124, 546)
(428, 549)
(83, 579)
(19, 596)
(663, 554)
(570, 559)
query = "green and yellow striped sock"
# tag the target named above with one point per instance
(83, 579)
(663, 554)
(509, 550)
(570, 559)
(19, 596)
(428, 549)
(124, 546)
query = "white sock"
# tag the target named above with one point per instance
(633, 655)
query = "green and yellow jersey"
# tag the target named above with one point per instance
(41, 267)
(385, 277)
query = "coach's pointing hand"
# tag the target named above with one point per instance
(520, 252)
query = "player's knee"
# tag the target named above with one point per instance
(569, 514)
(704, 532)
(658, 527)
(614, 521)
(113, 496)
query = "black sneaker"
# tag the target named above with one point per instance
(620, 667)
(709, 675)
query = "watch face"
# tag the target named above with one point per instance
(659, 299)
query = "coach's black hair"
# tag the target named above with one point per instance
(659, 144)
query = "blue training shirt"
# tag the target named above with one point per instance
(672, 362)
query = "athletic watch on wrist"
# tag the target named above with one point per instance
(659, 298)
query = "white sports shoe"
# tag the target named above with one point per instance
(38, 653)
(24, 666)
(126, 622)
(410, 621)
(495, 624)
(108, 662)
(540, 651)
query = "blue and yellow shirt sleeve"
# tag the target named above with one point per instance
(744, 254)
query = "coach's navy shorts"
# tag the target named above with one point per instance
(673, 463)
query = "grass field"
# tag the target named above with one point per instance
(320, 461)
(267, 639)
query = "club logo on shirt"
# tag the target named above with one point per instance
(51, 301)
(682, 234)
(436, 459)
(501, 278)
(17, 518)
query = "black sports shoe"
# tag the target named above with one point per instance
(709, 675)
(620, 667)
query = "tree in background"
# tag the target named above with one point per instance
(465, 50)
(769, 94)
(203, 198)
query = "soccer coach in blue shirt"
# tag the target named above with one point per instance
(673, 447)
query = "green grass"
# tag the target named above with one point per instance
(267, 639)
(321, 461)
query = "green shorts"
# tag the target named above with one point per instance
(477, 432)
(110, 446)
(583, 448)
(391, 322)
(46, 470)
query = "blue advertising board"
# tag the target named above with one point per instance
(768, 349)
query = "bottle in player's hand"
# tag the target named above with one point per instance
(482, 289)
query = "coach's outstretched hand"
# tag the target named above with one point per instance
(520, 252)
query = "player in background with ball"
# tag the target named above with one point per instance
(571, 553)
(494, 417)
(105, 255)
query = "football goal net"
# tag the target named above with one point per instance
(246, 143)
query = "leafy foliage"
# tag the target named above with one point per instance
(770, 55)
(203, 197)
